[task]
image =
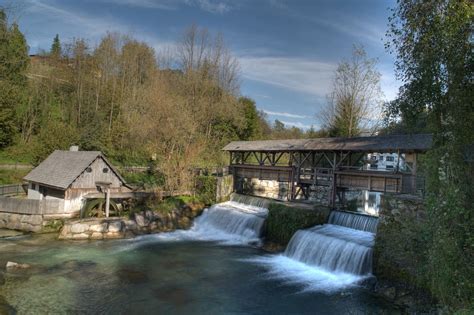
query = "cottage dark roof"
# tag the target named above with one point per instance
(392, 143)
(61, 168)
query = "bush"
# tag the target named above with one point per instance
(206, 189)
(283, 221)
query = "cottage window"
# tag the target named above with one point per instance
(105, 170)
(89, 170)
(390, 159)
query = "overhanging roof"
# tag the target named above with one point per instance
(61, 168)
(392, 143)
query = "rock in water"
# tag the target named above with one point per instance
(14, 265)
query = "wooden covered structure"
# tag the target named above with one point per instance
(337, 163)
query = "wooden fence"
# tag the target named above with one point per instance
(31, 206)
(12, 190)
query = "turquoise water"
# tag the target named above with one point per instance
(163, 275)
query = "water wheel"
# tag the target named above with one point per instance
(95, 208)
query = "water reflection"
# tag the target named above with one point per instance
(369, 202)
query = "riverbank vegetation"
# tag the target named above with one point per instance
(433, 44)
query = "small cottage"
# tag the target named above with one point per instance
(70, 175)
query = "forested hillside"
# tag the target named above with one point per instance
(176, 108)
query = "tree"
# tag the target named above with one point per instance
(433, 44)
(56, 47)
(355, 100)
(252, 123)
(13, 63)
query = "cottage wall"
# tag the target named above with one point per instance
(88, 179)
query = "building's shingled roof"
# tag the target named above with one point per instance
(392, 143)
(61, 168)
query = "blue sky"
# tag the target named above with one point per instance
(288, 50)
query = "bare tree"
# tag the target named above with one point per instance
(354, 105)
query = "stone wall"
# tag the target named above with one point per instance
(398, 247)
(144, 222)
(27, 214)
(224, 187)
(22, 222)
(265, 188)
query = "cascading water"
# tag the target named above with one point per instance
(327, 257)
(354, 221)
(238, 221)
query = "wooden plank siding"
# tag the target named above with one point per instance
(97, 174)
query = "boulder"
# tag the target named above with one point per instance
(141, 220)
(80, 236)
(14, 265)
(79, 228)
(98, 227)
(115, 226)
(96, 236)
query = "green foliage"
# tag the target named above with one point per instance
(55, 136)
(56, 47)
(206, 189)
(252, 129)
(12, 176)
(433, 43)
(143, 179)
(283, 221)
(13, 64)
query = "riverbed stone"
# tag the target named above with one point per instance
(13, 265)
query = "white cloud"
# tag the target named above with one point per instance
(303, 75)
(283, 114)
(80, 24)
(149, 4)
(211, 5)
(297, 124)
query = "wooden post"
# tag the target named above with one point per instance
(107, 202)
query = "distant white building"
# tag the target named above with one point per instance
(385, 162)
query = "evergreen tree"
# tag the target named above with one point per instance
(13, 64)
(56, 47)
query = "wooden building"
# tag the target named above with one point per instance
(71, 175)
(336, 163)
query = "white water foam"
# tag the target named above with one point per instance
(309, 278)
(228, 223)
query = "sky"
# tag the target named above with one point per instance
(288, 50)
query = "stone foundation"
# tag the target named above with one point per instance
(265, 188)
(144, 222)
(22, 222)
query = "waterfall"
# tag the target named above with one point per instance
(250, 201)
(334, 248)
(327, 257)
(354, 221)
(232, 222)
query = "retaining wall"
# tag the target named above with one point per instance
(29, 214)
